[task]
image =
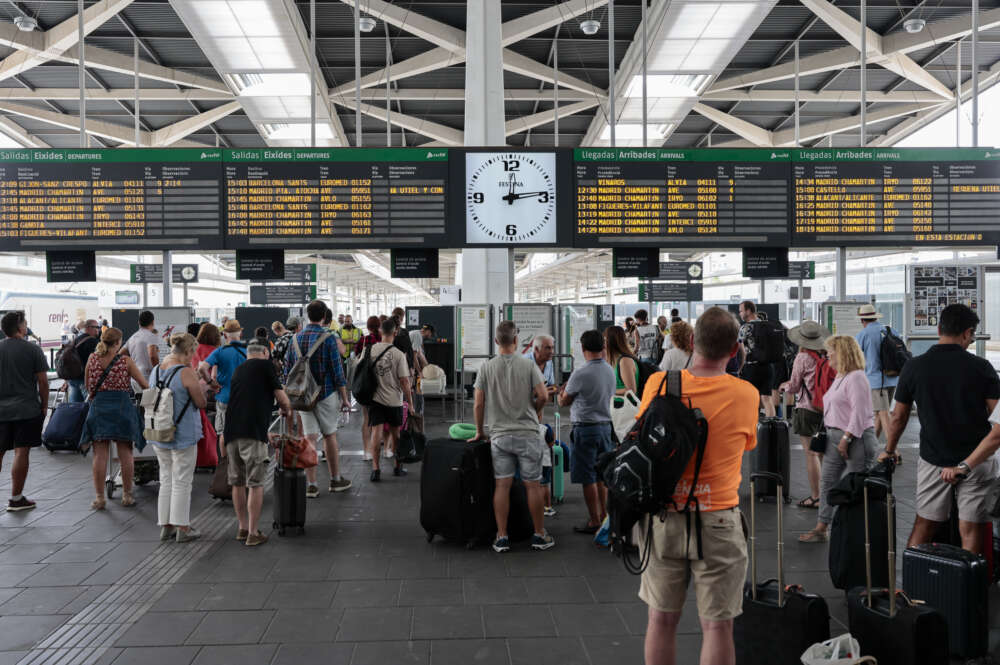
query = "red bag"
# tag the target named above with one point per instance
(296, 451)
(208, 449)
(822, 379)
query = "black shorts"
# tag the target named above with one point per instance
(780, 374)
(380, 414)
(21, 433)
(760, 375)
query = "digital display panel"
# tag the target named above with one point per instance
(346, 197)
(110, 199)
(681, 198)
(903, 197)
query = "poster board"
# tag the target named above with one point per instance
(933, 287)
(475, 335)
(167, 321)
(532, 320)
(841, 318)
(574, 320)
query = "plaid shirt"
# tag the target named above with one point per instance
(326, 365)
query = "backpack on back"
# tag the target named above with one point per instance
(892, 353)
(822, 379)
(766, 342)
(365, 383)
(157, 402)
(646, 370)
(69, 365)
(301, 387)
(643, 472)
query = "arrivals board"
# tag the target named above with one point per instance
(681, 198)
(887, 197)
(346, 197)
(110, 199)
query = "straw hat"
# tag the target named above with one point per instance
(232, 326)
(868, 312)
(809, 335)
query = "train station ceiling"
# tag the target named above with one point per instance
(237, 73)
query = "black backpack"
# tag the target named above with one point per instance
(766, 342)
(69, 365)
(646, 370)
(892, 353)
(642, 473)
(365, 382)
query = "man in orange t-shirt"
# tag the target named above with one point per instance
(730, 405)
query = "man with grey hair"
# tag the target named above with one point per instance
(541, 351)
(292, 326)
(510, 390)
(253, 390)
(85, 343)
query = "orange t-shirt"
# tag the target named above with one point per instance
(731, 407)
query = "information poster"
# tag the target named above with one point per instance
(841, 318)
(474, 335)
(531, 320)
(574, 320)
(935, 287)
(70, 266)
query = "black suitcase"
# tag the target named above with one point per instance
(772, 456)
(956, 583)
(887, 624)
(847, 533)
(289, 497)
(777, 624)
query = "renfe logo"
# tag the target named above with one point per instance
(61, 317)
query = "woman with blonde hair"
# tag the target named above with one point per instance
(678, 356)
(850, 425)
(112, 417)
(177, 457)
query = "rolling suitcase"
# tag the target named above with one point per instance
(772, 456)
(847, 533)
(65, 426)
(456, 491)
(289, 497)
(558, 464)
(888, 625)
(777, 624)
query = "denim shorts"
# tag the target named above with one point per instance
(589, 443)
(546, 475)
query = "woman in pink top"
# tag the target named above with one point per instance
(850, 425)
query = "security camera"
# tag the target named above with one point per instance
(366, 24)
(25, 23)
(590, 26)
(914, 25)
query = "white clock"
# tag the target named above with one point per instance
(510, 198)
(188, 273)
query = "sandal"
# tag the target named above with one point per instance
(815, 536)
(98, 503)
(127, 500)
(809, 502)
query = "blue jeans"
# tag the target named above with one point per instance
(77, 391)
(589, 443)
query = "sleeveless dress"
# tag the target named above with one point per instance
(112, 415)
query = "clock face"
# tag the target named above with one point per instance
(510, 198)
(187, 272)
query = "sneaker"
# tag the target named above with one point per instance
(312, 492)
(388, 454)
(187, 536)
(376, 475)
(366, 457)
(340, 485)
(167, 533)
(24, 503)
(255, 539)
(542, 542)
(501, 545)
(322, 456)
(549, 511)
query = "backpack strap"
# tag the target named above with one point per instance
(170, 377)
(315, 347)
(673, 380)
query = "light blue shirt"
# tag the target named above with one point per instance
(870, 341)
(548, 372)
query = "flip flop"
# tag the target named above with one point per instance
(809, 502)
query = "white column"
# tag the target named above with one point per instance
(841, 274)
(487, 274)
(168, 272)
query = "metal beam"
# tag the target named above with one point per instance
(171, 134)
(444, 95)
(758, 136)
(521, 28)
(523, 124)
(829, 96)
(447, 135)
(114, 94)
(20, 134)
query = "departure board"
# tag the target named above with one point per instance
(110, 199)
(896, 197)
(345, 197)
(681, 198)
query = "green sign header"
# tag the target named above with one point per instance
(895, 155)
(112, 155)
(669, 155)
(336, 155)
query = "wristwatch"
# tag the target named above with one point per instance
(964, 468)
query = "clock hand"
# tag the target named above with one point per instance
(511, 196)
(528, 195)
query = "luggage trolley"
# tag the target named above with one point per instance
(145, 466)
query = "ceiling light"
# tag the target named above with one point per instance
(25, 23)
(366, 24)
(914, 25)
(590, 26)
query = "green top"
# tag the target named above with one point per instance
(619, 384)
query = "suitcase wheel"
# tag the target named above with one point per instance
(109, 488)
(430, 536)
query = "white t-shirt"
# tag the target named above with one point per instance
(138, 349)
(417, 340)
(647, 341)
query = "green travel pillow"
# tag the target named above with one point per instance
(462, 431)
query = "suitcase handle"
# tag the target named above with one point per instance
(890, 507)
(766, 475)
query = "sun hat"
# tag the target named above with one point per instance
(232, 326)
(808, 335)
(868, 312)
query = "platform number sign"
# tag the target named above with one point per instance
(510, 198)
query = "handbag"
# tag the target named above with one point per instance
(295, 450)
(624, 409)
(818, 442)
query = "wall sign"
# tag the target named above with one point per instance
(282, 294)
(414, 263)
(643, 262)
(670, 292)
(260, 264)
(679, 271)
(146, 273)
(766, 263)
(70, 266)
(935, 287)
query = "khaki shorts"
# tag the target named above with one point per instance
(934, 495)
(324, 418)
(882, 398)
(220, 418)
(247, 462)
(718, 577)
(806, 422)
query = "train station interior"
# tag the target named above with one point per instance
(567, 165)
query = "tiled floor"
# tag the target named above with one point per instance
(362, 586)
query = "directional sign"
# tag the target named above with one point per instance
(802, 269)
(634, 261)
(670, 292)
(282, 294)
(152, 273)
(70, 266)
(679, 271)
(765, 263)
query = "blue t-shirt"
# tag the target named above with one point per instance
(548, 372)
(870, 341)
(227, 359)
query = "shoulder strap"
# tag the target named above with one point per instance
(104, 375)
(170, 377)
(673, 380)
(381, 355)
(688, 363)
(318, 343)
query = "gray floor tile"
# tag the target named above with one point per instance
(296, 626)
(63, 574)
(236, 596)
(161, 629)
(494, 591)
(23, 632)
(614, 588)
(534, 564)
(445, 623)
(7, 593)
(552, 590)
(294, 569)
(30, 553)
(518, 621)
(231, 627)
(90, 593)
(49, 534)
(300, 654)
(249, 654)
(586, 620)
(360, 567)
(80, 553)
(614, 649)
(41, 600)
(430, 592)
(465, 652)
(181, 597)
(375, 624)
(316, 595)
(367, 593)
(14, 574)
(382, 653)
(11, 657)
(562, 650)
(157, 656)
(415, 567)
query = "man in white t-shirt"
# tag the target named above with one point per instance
(144, 346)
(646, 336)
